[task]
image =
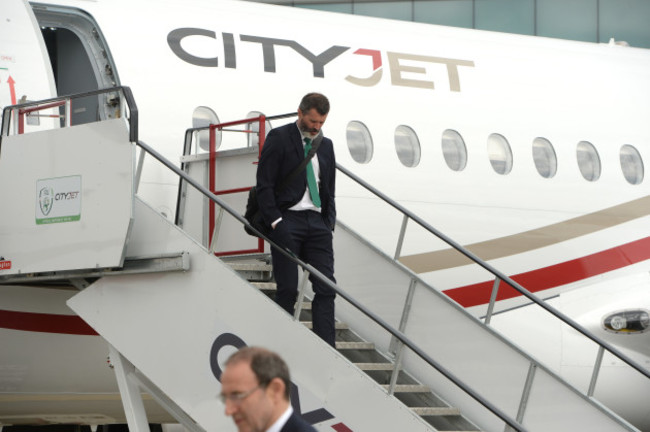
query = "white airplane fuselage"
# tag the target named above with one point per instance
(578, 234)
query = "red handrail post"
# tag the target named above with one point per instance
(261, 135)
(21, 122)
(212, 179)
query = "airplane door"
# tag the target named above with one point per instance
(25, 70)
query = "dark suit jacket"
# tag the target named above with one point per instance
(283, 151)
(295, 423)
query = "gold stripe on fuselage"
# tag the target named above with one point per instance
(530, 240)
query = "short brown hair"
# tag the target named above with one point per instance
(265, 364)
(314, 100)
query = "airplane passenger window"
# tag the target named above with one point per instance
(588, 161)
(407, 146)
(500, 154)
(454, 150)
(359, 142)
(253, 138)
(631, 164)
(544, 157)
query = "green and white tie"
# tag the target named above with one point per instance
(311, 178)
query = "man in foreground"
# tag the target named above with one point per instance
(255, 388)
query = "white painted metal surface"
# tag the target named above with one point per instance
(496, 96)
(485, 361)
(576, 355)
(68, 197)
(168, 325)
(480, 357)
(66, 378)
(134, 408)
(234, 169)
(25, 71)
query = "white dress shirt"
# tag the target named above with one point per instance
(306, 203)
(279, 423)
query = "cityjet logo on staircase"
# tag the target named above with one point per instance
(58, 200)
(404, 69)
(45, 200)
(233, 341)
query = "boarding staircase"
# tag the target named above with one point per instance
(363, 354)
(170, 326)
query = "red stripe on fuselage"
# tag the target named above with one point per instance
(45, 323)
(556, 275)
(467, 296)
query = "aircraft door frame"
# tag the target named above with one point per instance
(81, 60)
(25, 69)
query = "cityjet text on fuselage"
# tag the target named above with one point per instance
(404, 69)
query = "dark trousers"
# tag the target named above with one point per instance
(306, 234)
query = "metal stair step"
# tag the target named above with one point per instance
(358, 349)
(337, 325)
(375, 366)
(409, 388)
(250, 266)
(355, 345)
(436, 411)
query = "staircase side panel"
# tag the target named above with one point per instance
(193, 214)
(565, 406)
(178, 328)
(67, 198)
(234, 170)
(476, 354)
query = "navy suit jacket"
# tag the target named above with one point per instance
(282, 152)
(295, 423)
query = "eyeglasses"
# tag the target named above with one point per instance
(237, 398)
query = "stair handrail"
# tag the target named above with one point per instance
(394, 332)
(262, 120)
(25, 108)
(133, 137)
(477, 260)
